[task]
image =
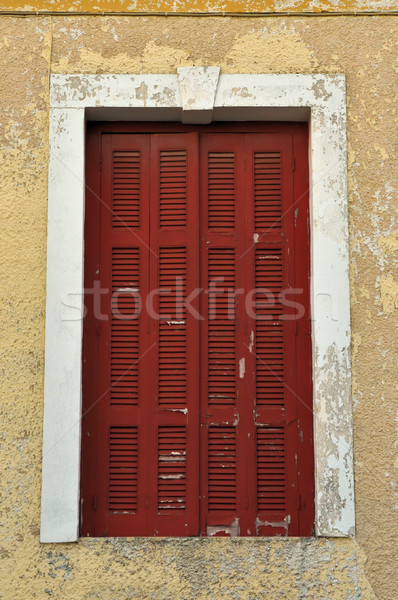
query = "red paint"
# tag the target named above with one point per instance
(187, 423)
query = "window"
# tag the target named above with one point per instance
(317, 99)
(197, 396)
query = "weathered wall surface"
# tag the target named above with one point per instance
(366, 50)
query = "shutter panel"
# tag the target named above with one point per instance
(248, 446)
(224, 434)
(272, 360)
(147, 480)
(173, 417)
(121, 330)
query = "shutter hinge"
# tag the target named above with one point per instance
(94, 499)
(100, 163)
(294, 163)
(98, 330)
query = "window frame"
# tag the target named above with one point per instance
(198, 95)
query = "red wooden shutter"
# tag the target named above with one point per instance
(146, 402)
(249, 432)
(115, 408)
(197, 404)
(272, 359)
(223, 478)
(172, 403)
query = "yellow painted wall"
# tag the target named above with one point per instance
(366, 50)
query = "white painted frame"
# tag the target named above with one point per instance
(198, 95)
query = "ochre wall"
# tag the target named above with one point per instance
(366, 50)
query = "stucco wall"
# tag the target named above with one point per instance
(365, 49)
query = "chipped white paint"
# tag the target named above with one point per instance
(255, 238)
(175, 322)
(278, 524)
(232, 530)
(128, 290)
(320, 99)
(198, 87)
(251, 344)
(242, 368)
(122, 91)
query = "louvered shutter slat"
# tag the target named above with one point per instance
(126, 170)
(221, 327)
(124, 326)
(172, 328)
(271, 469)
(123, 458)
(270, 350)
(221, 190)
(222, 469)
(172, 449)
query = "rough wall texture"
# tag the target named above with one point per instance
(365, 49)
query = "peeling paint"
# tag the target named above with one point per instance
(175, 323)
(284, 524)
(232, 530)
(242, 368)
(251, 343)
